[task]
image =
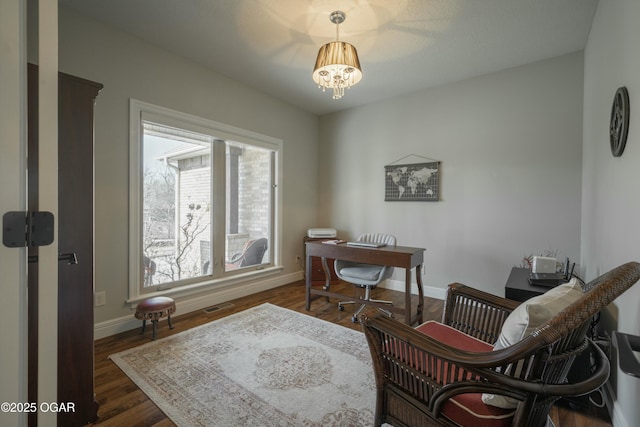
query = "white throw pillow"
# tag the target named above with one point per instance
(528, 317)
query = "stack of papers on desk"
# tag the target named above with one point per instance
(333, 242)
(366, 244)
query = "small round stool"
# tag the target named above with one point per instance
(153, 309)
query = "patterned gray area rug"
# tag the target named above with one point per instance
(265, 366)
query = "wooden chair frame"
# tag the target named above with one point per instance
(416, 374)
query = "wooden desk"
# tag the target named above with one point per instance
(392, 256)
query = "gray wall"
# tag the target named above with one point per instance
(510, 147)
(131, 68)
(610, 199)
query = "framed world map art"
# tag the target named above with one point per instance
(416, 182)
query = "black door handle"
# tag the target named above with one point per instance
(71, 258)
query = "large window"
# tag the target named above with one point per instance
(204, 202)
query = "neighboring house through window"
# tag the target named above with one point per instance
(204, 201)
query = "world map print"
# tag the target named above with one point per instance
(413, 182)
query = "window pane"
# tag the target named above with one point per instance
(248, 205)
(197, 198)
(176, 207)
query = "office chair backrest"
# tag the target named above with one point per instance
(378, 238)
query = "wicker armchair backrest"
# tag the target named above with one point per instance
(599, 293)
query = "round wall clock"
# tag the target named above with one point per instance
(619, 123)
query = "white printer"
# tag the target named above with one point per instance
(319, 233)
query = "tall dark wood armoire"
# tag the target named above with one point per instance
(75, 219)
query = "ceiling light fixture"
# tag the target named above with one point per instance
(337, 66)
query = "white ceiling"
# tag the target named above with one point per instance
(403, 45)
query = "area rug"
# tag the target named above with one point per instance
(265, 366)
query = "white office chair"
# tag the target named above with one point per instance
(366, 276)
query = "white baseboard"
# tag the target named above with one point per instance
(429, 291)
(194, 303)
(617, 417)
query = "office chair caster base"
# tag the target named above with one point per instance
(343, 303)
(387, 312)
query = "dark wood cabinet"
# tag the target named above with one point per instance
(76, 99)
(318, 276)
(75, 230)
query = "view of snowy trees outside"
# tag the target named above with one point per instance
(177, 219)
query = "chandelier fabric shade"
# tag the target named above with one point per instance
(337, 65)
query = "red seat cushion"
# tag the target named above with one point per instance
(467, 409)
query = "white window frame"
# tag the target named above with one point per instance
(140, 111)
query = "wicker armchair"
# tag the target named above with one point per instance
(424, 379)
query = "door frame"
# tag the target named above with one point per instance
(13, 262)
(48, 201)
(13, 104)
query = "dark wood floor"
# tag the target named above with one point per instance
(122, 402)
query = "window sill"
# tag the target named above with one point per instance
(207, 285)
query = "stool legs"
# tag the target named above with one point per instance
(155, 328)
(153, 309)
(169, 320)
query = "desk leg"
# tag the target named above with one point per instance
(408, 315)
(420, 293)
(307, 281)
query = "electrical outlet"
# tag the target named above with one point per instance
(100, 298)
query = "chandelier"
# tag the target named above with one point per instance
(337, 66)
